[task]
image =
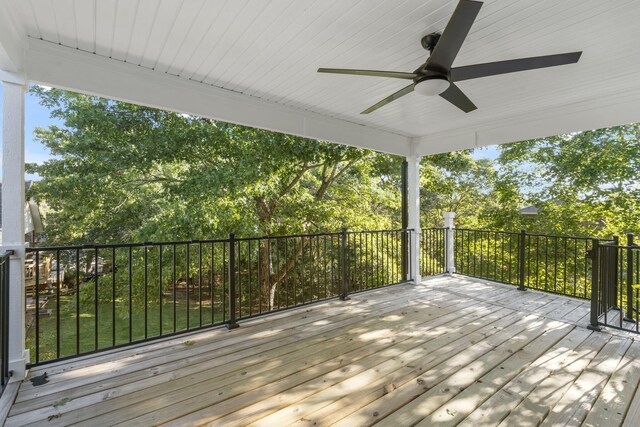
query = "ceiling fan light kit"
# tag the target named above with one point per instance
(432, 85)
(437, 76)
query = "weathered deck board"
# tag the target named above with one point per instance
(454, 351)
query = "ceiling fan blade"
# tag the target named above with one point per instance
(374, 73)
(445, 52)
(512, 66)
(402, 92)
(455, 96)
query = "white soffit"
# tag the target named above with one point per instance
(255, 62)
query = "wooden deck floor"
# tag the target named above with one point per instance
(453, 351)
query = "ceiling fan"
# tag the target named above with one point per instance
(437, 77)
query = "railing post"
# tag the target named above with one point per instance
(594, 324)
(405, 220)
(629, 311)
(231, 323)
(344, 292)
(521, 260)
(450, 266)
(614, 282)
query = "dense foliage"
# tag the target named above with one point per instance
(124, 173)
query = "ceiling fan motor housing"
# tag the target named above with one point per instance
(430, 41)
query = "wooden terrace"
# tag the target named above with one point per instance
(452, 351)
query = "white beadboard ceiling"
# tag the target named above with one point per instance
(270, 51)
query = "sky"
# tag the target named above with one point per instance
(38, 116)
(35, 116)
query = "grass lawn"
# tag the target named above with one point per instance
(83, 340)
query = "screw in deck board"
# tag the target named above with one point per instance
(231, 323)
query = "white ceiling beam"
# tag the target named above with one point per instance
(54, 65)
(11, 42)
(614, 110)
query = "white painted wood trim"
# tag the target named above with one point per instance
(11, 41)
(13, 222)
(413, 201)
(614, 110)
(71, 69)
(449, 243)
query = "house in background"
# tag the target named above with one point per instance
(32, 218)
(529, 211)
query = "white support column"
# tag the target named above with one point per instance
(413, 199)
(13, 203)
(449, 242)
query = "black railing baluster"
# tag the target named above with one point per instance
(324, 262)
(160, 294)
(231, 281)
(239, 279)
(295, 272)
(521, 259)
(77, 289)
(96, 297)
(58, 304)
(250, 281)
(595, 276)
(113, 296)
(260, 243)
(212, 295)
(344, 293)
(175, 285)
(131, 293)
(146, 293)
(629, 279)
(200, 282)
(187, 274)
(37, 295)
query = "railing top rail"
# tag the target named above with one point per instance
(120, 245)
(486, 231)
(557, 236)
(553, 236)
(611, 245)
(205, 241)
(285, 236)
(381, 231)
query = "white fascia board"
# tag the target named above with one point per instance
(614, 110)
(12, 44)
(58, 66)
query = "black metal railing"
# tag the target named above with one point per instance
(95, 297)
(555, 264)
(433, 251)
(615, 299)
(5, 374)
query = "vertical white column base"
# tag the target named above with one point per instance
(449, 242)
(13, 203)
(413, 199)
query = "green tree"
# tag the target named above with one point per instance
(123, 173)
(456, 182)
(585, 183)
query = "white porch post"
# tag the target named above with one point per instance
(13, 202)
(413, 198)
(449, 243)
